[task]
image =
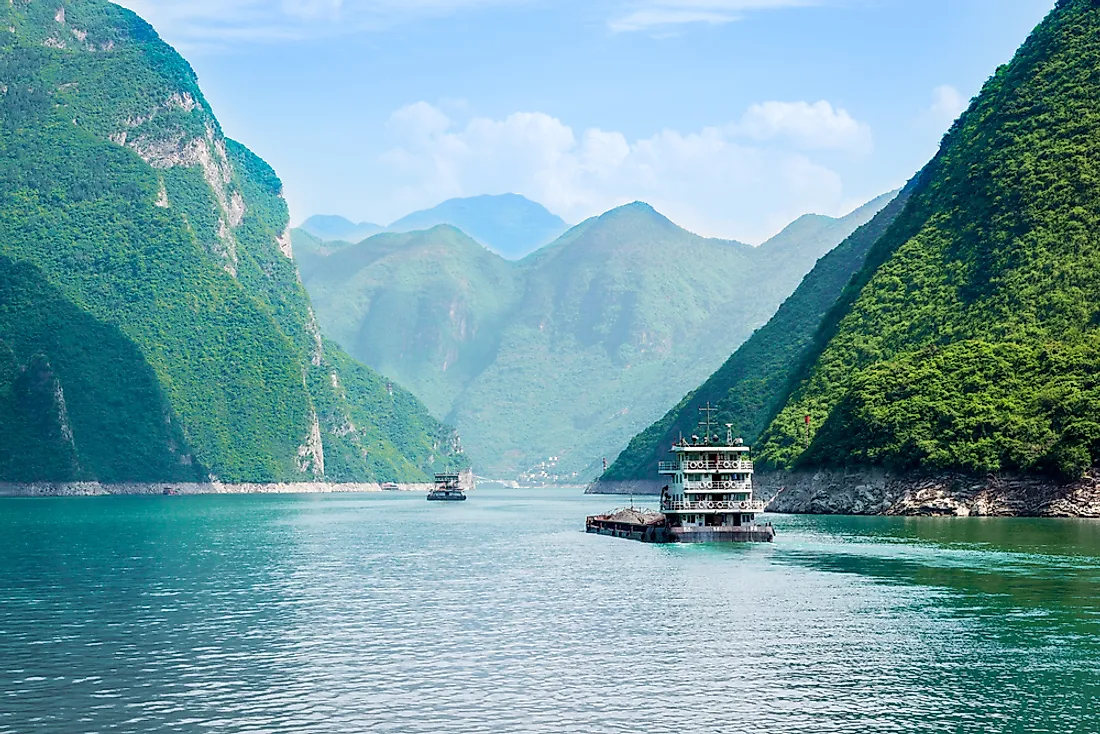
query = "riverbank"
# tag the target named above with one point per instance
(879, 492)
(629, 486)
(94, 489)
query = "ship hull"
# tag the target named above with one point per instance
(447, 499)
(663, 533)
(745, 534)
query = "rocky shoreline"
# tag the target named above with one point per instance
(879, 492)
(96, 489)
(635, 486)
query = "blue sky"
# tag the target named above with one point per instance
(732, 117)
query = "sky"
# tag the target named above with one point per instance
(731, 117)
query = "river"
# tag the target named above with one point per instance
(385, 613)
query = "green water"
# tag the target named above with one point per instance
(388, 613)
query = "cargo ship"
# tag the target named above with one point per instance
(708, 498)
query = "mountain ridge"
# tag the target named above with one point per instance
(511, 225)
(536, 358)
(965, 342)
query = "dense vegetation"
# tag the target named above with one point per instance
(970, 338)
(550, 363)
(187, 346)
(748, 389)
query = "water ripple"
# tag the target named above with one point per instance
(385, 613)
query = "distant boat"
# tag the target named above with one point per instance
(390, 487)
(447, 489)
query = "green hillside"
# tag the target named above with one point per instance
(426, 308)
(548, 364)
(748, 388)
(971, 338)
(189, 348)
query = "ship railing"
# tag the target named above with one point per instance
(728, 486)
(685, 506)
(704, 466)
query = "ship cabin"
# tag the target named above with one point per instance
(448, 488)
(709, 492)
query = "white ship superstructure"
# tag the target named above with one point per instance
(709, 495)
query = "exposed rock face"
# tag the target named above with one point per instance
(311, 454)
(635, 486)
(877, 492)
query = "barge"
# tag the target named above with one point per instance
(708, 498)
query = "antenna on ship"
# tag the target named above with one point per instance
(708, 424)
(729, 434)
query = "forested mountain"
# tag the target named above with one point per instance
(508, 224)
(549, 364)
(152, 326)
(970, 340)
(748, 388)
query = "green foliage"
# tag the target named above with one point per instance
(171, 323)
(968, 339)
(748, 389)
(78, 399)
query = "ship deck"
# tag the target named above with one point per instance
(649, 527)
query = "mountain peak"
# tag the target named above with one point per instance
(509, 224)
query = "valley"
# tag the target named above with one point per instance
(549, 364)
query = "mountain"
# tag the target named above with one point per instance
(328, 227)
(509, 224)
(970, 339)
(428, 306)
(152, 325)
(746, 388)
(548, 364)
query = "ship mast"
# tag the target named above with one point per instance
(708, 424)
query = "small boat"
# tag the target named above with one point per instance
(447, 489)
(390, 487)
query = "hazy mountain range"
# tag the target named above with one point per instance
(550, 363)
(509, 224)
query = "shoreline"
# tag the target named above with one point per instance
(877, 492)
(105, 489)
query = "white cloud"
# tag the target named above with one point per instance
(657, 14)
(208, 22)
(817, 126)
(741, 181)
(947, 104)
